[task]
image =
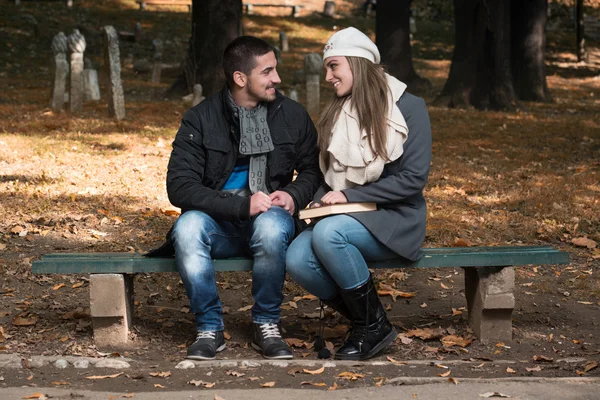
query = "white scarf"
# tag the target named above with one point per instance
(351, 160)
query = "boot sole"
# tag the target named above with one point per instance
(286, 357)
(380, 346)
(219, 349)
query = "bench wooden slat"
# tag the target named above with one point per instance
(104, 263)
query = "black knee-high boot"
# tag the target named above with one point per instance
(371, 330)
(337, 304)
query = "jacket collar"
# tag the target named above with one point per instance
(272, 106)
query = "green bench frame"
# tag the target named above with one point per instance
(489, 282)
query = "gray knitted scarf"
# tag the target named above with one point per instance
(255, 141)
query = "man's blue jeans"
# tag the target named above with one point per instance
(198, 239)
(332, 255)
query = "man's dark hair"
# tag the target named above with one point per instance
(240, 55)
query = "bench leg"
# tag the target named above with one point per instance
(490, 300)
(295, 11)
(111, 305)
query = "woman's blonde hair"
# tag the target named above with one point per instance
(369, 97)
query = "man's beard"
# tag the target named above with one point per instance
(262, 96)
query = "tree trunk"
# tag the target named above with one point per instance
(215, 23)
(581, 53)
(393, 40)
(480, 73)
(528, 47)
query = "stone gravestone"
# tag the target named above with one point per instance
(278, 56)
(157, 60)
(197, 99)
(329, 9)
(313, 66)
(116, 99)
(138, 32)
(76, 43)
(293, 94)
(90, 81)
(61, 71)
(283, 42)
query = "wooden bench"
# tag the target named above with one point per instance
(489, 283)
(145, 3)
(249, 8)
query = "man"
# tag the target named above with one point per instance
(231, 173)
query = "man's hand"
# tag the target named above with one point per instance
(334, 198)
(283, 200)
(259, 202)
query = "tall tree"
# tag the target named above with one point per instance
(393, 40)
(581, 53)
(528, 49)
(499, 54)
(215, 23)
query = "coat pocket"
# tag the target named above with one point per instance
(216, 156)
(283, 157)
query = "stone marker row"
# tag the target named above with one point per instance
(83, 78)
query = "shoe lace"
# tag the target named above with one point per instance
(270, 331)
(206, 335)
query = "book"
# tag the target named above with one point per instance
(342, 208)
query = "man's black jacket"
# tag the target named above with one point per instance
(205, 151)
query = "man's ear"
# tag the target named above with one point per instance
(240, 78)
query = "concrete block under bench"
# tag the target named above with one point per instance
(489, 282)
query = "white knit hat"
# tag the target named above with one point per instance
(351, 42)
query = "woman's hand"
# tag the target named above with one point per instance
(334, 197)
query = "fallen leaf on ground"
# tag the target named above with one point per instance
(172, 212)
(267, 384)
(453, 340)
(386, 290)
(542, 359)
(588, 367)
(587, 303)
(217, 397)
(22, 321)
(158, 385)
(510, 370)
(393, 361)
(459, 242)
(535, 369)
(161, 374)
(36, 395)
(456, 312)
(333, 387)
(128, 395)
(379, 381)
(207, 385)
(426, 333)
(76, 285)
(584, 242)
(226, 335)
(493, 394)
(298, 343)
(403, 339)
(58, 383)
(351, 376)
(445, 374)
(60, 285)
(235, 373)
(313, 383)
(314, 372)
(104, 376)
(424, 305)
(453, 380)
(245, 308)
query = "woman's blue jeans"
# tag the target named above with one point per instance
(198, 238)
(333, 255)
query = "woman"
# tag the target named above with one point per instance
(375, 143)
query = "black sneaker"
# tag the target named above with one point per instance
(267, 339)
(206, 346)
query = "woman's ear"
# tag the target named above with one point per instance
(240, 78)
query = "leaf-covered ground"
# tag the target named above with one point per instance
(88, 184)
